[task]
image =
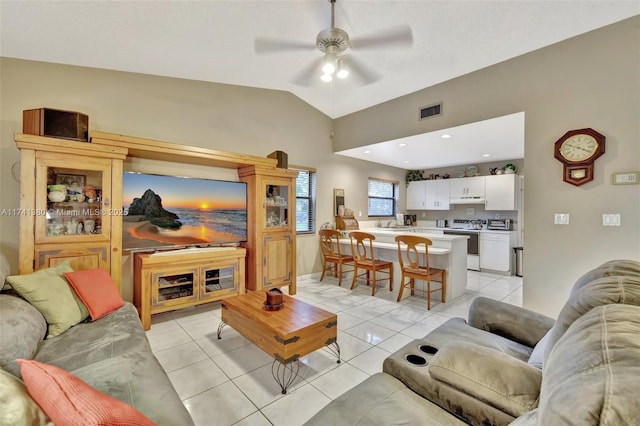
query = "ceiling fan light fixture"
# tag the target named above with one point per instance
(329, 66)
(342, 71)
(326, 78)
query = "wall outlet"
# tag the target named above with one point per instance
(424, 214)
(561, 218)
(359, 213)
(497, 216)
(611, 219)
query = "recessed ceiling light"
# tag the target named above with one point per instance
(486, 155)
(445, 136)
(402, 144)
(367, 152)
(406, 161)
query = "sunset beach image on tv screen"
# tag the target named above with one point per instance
(162, 211)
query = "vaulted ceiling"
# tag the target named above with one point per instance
(215, 40)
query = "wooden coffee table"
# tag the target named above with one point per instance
(287, 334)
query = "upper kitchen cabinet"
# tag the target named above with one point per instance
(416, 195)
(428, 195)
(502, 192)
(437, 194)
(467, 188)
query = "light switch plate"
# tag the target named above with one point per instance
(561, 218)
(611, 219)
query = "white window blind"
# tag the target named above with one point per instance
(306, 201)
(383, 198)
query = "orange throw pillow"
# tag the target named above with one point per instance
(97, 291)
(67, 400)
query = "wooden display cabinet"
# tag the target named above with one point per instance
(68, 191)
(171, 280)
(271, 237)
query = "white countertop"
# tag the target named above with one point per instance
(413, 231)
(394, 246)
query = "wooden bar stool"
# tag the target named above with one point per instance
(330, 249)
(362, 251)
(411, 268)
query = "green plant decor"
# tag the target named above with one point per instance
(413, 175)
(511, 167)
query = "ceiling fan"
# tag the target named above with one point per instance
(336, 46)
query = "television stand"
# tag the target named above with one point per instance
(175, 279)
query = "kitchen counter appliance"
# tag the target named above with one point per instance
(499, 224)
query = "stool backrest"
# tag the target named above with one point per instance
(329, 242)
(361, 245)
(409, 255)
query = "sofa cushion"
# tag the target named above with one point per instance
(4, 270)
(609, 269)
(138, 379)
(22, 328)
(97, 291)
(456, 329)
(70, 401)
(537, 356)
(599, 355)
(50, 293)
(500, 380)
(382, 400)
(613, 289)
(18, 408)
(87, 343)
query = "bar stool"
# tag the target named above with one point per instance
(330, 249)
(410, 265)
(362, 251)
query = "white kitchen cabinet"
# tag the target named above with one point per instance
(437, 194)
(417, 195)
(428, 195)
(495, 251)
(501, 192)
(471, 187)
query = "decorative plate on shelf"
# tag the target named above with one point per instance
(471, 171)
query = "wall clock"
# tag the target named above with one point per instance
(577, 150)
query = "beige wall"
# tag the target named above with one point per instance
(223, 117)
(590, 81)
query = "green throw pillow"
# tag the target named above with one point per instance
(51, 294)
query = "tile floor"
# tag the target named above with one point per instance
(229, 382)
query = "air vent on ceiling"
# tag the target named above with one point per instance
(430, 111)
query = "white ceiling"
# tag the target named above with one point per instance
(214, 40)
(500, 138)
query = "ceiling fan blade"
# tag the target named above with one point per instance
(264, 46)
(308, 74)
(362, 72)
(401, 36)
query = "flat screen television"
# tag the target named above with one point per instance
(168, 211)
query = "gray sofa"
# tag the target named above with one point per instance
(111, 354)
(481, 372)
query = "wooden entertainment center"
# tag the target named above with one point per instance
(88, 232)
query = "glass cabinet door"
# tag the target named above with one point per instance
(73, 200)
(276, 205)
(217, 279)
(173, 288)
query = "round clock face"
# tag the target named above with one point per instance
(578, 148)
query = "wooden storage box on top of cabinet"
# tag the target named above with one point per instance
(70, 204)
(271, 241)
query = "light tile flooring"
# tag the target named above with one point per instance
(229, 381)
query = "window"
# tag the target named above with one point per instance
(306, 201)
(383, 197)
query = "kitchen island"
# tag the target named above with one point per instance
(447, 252)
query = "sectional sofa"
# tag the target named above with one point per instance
(508, 365)
(111, 354)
